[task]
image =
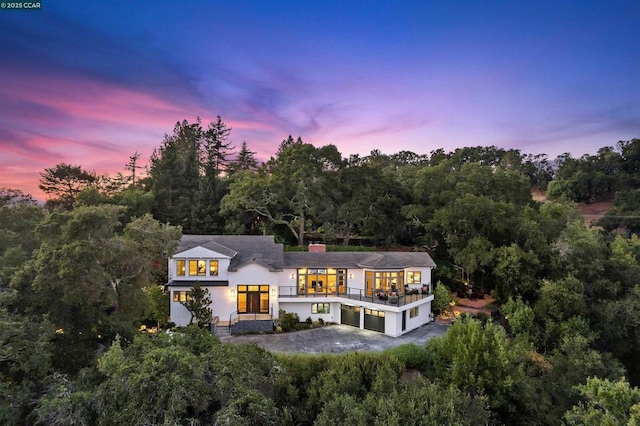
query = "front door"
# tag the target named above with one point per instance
(253, 299)
(253, 302)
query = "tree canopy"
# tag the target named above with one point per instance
(79, 278)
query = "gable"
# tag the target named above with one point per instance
(240, 249)
(200, 252)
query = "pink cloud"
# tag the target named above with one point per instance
(93, 124)
(87, 100)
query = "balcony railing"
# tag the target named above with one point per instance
(360, 295)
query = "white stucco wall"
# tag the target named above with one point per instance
(393, 324)
(303, 309)
(355, 278)
(286, 281)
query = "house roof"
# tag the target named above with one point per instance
(242, 249)
(262, 249)
(192, 283)
(369, 260)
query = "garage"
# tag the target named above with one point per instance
(350, 315)
(374, 320)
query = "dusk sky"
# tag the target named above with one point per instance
(90, 83)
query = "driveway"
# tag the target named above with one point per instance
(337, 338)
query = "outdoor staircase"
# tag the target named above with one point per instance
(222, 330)
(242, 324)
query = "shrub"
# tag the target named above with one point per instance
(309, 321)
(482, 317)
(441, 298)
(288, 320)
(411, 355)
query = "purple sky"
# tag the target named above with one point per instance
(90, 83)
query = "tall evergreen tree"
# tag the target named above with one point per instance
(186, 175)
(214, 161)
(175, 175)
(245, 160)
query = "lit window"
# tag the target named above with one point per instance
(180, 268)
(181, 296)
(414, 277)
(320, 308)
(413, 312)
(197, 267)
(213, 267)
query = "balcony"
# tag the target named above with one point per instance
(357, 294)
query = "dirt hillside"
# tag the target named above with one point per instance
(590, 212)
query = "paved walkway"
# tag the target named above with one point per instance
(337, 338)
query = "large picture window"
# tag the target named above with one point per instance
(322, 281)
(197, 267)
(320, 308)
(385, 281)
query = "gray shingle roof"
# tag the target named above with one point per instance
(262, 249)
(192, 283)
(243, 249)
(369, 260)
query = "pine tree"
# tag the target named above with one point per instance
(245, 160)
(199, 306)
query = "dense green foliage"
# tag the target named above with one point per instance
(79, 278)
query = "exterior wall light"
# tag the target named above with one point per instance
(232, 292)
(273, 292)
(293, 276)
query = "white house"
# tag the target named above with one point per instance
(251, 276)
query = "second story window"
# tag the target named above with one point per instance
(180, 268)
(197, 267)
(213, 267)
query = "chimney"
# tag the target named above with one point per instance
(317, 248)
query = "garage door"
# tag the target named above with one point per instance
(350, 315)
(374, 320)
